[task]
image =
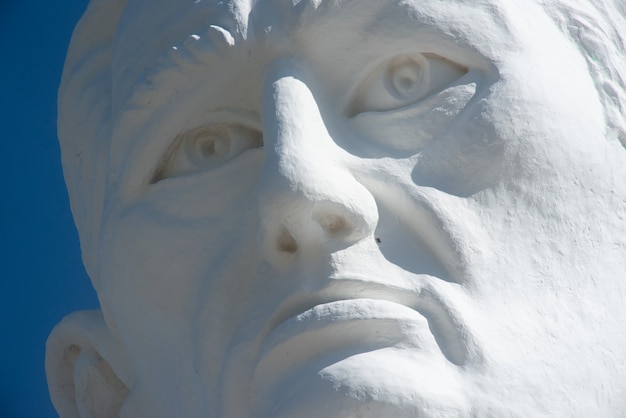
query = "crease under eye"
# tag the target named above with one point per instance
(206, 147)
(403, 80)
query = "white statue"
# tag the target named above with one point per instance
(326, 208)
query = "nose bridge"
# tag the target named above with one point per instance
(307, 195)
(295, 135)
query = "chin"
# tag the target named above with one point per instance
(387, 382)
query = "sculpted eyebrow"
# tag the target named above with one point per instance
(163, 79)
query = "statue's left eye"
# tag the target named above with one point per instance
(207, 147)
(402, 81)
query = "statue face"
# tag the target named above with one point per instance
(368, 208)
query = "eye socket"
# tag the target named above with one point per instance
(404, 80)
(207, 147)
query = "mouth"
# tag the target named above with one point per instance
(334, 323)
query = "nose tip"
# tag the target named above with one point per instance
(333, 225)
(307, 226)
(308, 198)
(309, 217)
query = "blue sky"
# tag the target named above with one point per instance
(42, 276)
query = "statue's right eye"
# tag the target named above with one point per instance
(207, 147)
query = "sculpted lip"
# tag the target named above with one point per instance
(308, 327)
(330, 327)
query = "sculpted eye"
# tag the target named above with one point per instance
(402, 81)
(407, 78)
(207, 147)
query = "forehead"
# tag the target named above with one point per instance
(149, 23)
(149, 28)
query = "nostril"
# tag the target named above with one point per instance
(286, 243)
(332, 224)
(333, 218)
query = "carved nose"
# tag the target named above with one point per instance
(308, 198)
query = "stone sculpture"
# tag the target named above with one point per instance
(327, 208)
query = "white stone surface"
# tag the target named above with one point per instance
(326, 208)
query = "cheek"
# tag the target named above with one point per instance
(160, 253)
(156, 268)
(468, 158)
